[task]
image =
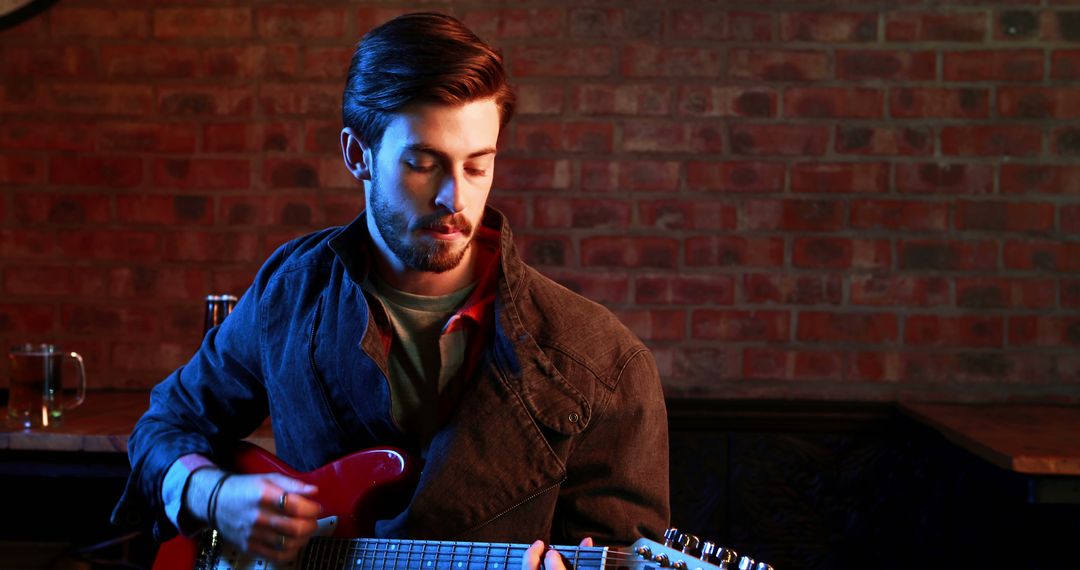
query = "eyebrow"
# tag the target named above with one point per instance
(420, 147)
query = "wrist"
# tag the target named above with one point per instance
(197, 495)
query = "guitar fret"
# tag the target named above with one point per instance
(392, 554)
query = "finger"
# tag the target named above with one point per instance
(272, 524)
(290, 485)
(531, 559)
(278, 500)
(276, 546)
(586, 542)
(553, 560)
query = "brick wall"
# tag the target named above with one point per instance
(840, 199)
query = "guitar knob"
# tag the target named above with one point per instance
(662, 560)
(746, 563)
(689, 543)
(671, 536)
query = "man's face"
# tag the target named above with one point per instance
(430, 180)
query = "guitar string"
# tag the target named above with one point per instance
(384, 551)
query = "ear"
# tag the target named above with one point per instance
(358, 156)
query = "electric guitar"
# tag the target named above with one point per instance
(359, 485)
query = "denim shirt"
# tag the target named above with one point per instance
(560, 434)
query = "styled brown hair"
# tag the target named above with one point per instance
(424, 57)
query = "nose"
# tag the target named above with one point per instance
(451, 195)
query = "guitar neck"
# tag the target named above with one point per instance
(387, 554)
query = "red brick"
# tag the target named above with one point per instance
(847, 327)
(144, 61)
(687, 215)
(642, 60)
(626, 99)
(290, 173)
(729, 251)
(603, 288)
(99, 23)
(123, 321)
(773, 364)
(546, 250)
(164, 209)
(202, 173)
(685, 290)
(150, 356)
(142, 282)
(586, 61)
(630, 175)
(97, 171)
(40, 61)
(318, 99)
(726, 101)
(948, 255)
(707, 138)
(1044, 331)
(939, 102)
(655, 325)
(793, 215)
(782, 140)
(212, 246)
(26, 244)
(823, 253)
(104, 99)
(569, 137)
(289, 22)
(888, 141)
(232, 281)
(766, 364)
(679, 365)
(1040, 179)
(898, 65)
(205, 101)
(1070, 294)
(323, 64)
(655, 136)
(1065, 64)
(935, 27)
(939, 330)
(272, 137)
(65, 209)
(21, 170)
(256, 61)
(516, 23)
(1039, 102)
(54, 281)
(541, 99)
(790, 289)
(27, 319)
(118, 245)
(1042, 255)
(341, 209)
(148, 137)
(1004, 216)
(829, 27)
(871, 254)
(741, 176)
(995, 140)
(939, 178)
(899, 290)
(999, 293)
(634, 24)
(515, 208)
(1024, 25)
(840, 177)
(1065, 141)
(875, 367)
(900, 215)
(183, 23)
(982, 65)
(18, 97)
(532, 174)
(616, 251)
(725, 325)
(820, 102)
(77, 136)
(1070, 219)
(581, 213)
(778, 65)
(699, 24)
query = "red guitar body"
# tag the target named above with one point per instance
(358, 489)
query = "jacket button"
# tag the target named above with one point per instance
(573, 417)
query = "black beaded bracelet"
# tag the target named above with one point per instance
(211, 505)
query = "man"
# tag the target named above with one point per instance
(537, 415)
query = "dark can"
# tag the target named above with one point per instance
(217, 308)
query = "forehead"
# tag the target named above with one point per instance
(454, 130)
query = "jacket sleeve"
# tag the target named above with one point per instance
(217, 398)
(616, 489)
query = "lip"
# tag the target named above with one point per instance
(445, 233)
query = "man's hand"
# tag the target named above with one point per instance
(270, 516)
(552, 560)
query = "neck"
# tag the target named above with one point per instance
(427, 283)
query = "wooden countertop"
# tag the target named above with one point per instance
(1026, 438)
(102, 424)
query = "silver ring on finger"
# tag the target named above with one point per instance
(281, 542)
(282, 501)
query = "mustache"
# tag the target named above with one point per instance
(454, 221)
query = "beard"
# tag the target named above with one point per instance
(416, 253)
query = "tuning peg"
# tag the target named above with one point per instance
(746, 563)
(707, 549)
(725, 558)
(762, 566)
(671, 536)
(689, 543)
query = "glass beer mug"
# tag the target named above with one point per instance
(36, 390)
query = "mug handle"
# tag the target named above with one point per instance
(80, 394)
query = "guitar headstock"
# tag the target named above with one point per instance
(683, 551)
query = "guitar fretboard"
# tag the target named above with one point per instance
(386, 554)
